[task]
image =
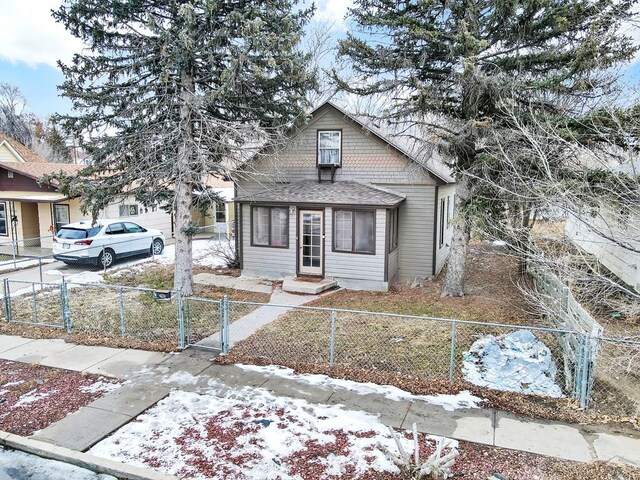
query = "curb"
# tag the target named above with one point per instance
(79, 459)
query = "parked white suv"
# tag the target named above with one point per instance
(104, 241)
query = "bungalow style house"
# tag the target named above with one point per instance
(345, 202)
(30, 212)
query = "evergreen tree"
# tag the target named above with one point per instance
(170, 91)
(462, 61)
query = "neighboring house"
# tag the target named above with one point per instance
(346, 202)
(30, 212)
(596, 235)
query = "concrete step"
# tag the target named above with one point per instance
(309, 286)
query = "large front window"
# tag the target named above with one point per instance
(329, 147)
(270, 227)
(354, 231)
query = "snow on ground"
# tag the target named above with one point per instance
(23, 466)
(249, 433)
(462, 399)
(515, 362)
(101, 386)
(204, 253)
(32, 397)
(9, 265)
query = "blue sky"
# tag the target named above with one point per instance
(32, 42)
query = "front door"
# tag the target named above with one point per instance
(60, 216)
(311, 242)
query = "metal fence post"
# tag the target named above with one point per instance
(64, 296)
(35, 302)
(332, 341)
(6, 291)
(122, 319)
(225, 325)
(40, 268)
(585, 372)
(180, 319)
(452, 358)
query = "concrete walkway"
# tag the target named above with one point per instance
(152, 375)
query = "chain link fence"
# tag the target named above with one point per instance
(429, 349)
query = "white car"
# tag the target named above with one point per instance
(104, 241)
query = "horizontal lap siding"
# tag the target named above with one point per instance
(415, 230)
(265, 261)
(442, 253)
(393, 265)
(353, 265)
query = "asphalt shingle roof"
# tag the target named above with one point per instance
(26, 153)
(325, 193)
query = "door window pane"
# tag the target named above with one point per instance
(133, 228)
(343, 234)
(364, 235)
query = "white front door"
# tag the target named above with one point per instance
(311, 242)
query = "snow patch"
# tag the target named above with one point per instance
(101, 386)
(11, 384)
(20, 264)
(32, 397)
(462, 399)
(514, 362)
(20, 465)
(181, 378)
(260, 434)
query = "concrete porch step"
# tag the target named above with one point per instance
(310, 286)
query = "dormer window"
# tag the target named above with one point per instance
(329, 147)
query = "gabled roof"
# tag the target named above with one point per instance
(401, 144)
(36, 170)
(23, 153)
(335, 193)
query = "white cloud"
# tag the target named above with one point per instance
(333, 11)
(29, 34)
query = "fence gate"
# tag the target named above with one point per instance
(205, 323)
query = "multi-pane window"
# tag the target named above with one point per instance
(3, 219)
(270, 226)
(354, 231)
(221, 212)
(329, 147)
(393, 229)
(128, 210)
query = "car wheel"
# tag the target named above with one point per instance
(157, 246)
(106, 258)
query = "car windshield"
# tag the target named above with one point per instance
(77, 233)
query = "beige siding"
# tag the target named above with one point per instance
(44, 217)
(350, 266)
(6, 155)
(266, 262)
(442, 252)
(158, 219)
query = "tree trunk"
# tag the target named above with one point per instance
(457, 263)
(183, 271)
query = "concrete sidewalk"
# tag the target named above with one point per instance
(152, 375)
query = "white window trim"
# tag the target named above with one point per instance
(339, 132)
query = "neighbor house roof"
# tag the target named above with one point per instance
(23, 152)
(314, 192)
(37, 170)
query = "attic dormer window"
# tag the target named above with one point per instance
(329, 147)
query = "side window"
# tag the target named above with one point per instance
(115, 229)
(133, 228)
